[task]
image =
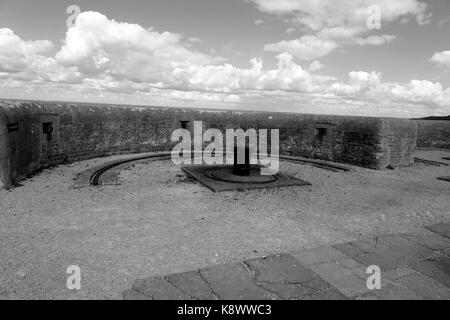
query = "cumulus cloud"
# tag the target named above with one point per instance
(226, 78)
(375, 40)
(290, 30)
(308, 47)
(316, 66)
(359, 81)
(369, 86)
(332, 25)
(26, 60)
(105, 60)
(319, 14)
(442, 58)
(109, 56)
(17, 54)
(98, 45)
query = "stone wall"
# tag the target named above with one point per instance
(397, 143)
(35, 135)
(433, 134)
(4, 152)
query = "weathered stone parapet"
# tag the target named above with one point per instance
(35, 135)
(397, 142)
(4, 152)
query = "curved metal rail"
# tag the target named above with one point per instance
(430, 162)
(318, 163)
(95, 178)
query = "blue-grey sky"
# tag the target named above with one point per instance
(313, 56)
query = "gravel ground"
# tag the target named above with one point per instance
(159, 222)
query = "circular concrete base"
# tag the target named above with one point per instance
(226, 174)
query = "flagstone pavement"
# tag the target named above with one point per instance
(412, 266)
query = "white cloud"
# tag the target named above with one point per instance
(332, 24)
(442, 58)
(26, 60)
(319, 14)
(204, 97)
(105, 59)
(17, 54)
(97, 45)
(105, 55)
(258, 22)
(316, 66)
(444, 21)
(340, 32)
(366, 86)
(359, 81)
(195, 40)
(227, 78)
(375, 40)
(290, 30)
(308, 47)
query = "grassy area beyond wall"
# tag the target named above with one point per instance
(35, 135)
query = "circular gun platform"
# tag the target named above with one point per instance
(226, 174)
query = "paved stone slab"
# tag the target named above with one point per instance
(414, 266)
(281, 268)
(349, 249)
(361, 271)
(436, 268)
(318, 255)
(391, 252)
(158, 289)
(233, 281)
(288, 291)
(345, 280)
(385, 262)
(330, 294)
(425, 286)
(366, 245)
(429, 240)
(395, 274)
(392, 291)
(134, 295)
(442, 228)
(192, 284)
(349, 263)
(285, 276)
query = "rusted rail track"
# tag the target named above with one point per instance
(96, 176)
(430, 162)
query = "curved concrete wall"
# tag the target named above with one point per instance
(35, 135)
(433, 134)
(398, 141)
(4, 152)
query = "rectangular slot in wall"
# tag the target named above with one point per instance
(184, 124)
(321, 134)
(13, 127)
(47, 127)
